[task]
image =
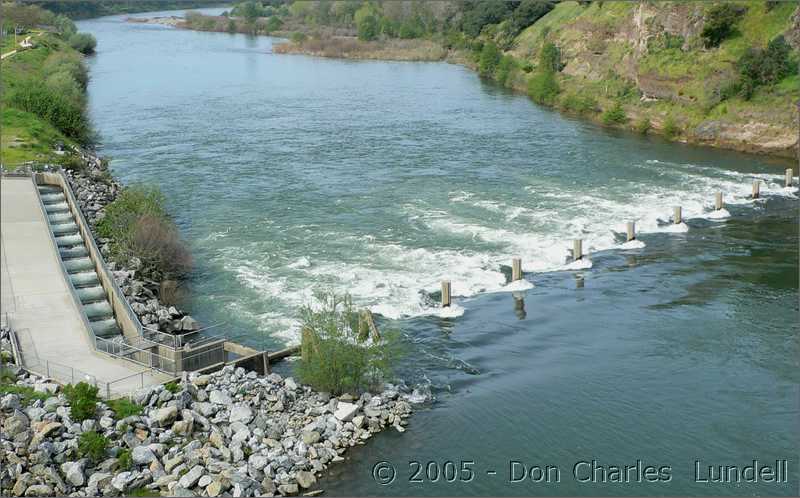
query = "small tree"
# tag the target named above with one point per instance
(83, 43)
(338, 353)
(490, 57)
(615, 115)
(720, 23)
(543, 88)
(92, 445)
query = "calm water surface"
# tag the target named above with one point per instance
(290, 173)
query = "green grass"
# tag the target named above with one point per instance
(27, 394)
(123, 407)
(25, 136)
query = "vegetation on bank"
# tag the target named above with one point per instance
(43, 94)
(140, 227)
(340, 352)
(97, 8)
(684, 70)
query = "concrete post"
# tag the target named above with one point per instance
(445, 293)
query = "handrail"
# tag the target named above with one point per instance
(65, 273)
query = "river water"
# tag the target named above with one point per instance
(288, 174)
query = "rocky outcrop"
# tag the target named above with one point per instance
(269, 437)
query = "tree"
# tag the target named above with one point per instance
(528, 12)
(65, 26)
(490, 57)
(478, 14)
(719, 24)
(543, 88)
(83, 43)
(549, 58)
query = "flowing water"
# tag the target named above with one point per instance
(288, 174)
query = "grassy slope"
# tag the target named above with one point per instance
(694, 75)
(25, 136)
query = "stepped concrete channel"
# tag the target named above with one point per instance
(52, 296)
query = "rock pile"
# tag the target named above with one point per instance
(227, 433)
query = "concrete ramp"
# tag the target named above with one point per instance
(37, 299)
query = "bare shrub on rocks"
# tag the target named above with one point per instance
(159, 245)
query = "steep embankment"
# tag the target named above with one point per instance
(649, 58)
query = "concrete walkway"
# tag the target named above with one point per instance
(37, 300)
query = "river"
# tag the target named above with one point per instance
(288, 174)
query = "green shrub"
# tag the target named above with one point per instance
(83, 43)
(615, 115)
(63, 112)
(26, 394)
(92, 445)
(172, 387)
(7, 376)
(298, 37)
(549, 58)
(759, 67)
(123, 407)
(720, 23)
(490, 57)
(543, 88)
(643, 125)
(82, 398)
(582, 104)
(671, 128)
(367, 28)
(125, 460)
(65, 26)
(337, 355)
(138, 225)
(503, 70)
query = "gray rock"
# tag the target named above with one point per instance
(241, 413)
(73, 471)
(98, 481)
(142, 455)
(345, 411)
(310, 437)
(190, 478)
(258, 462)
(219, 398)
(205, 481)
(120, 481)
(16, 424)
(181, 491)
(290, 384)
(305, 479)
(288, 489)
(39, 490)
(164, 416)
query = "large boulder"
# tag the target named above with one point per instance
(345, 411)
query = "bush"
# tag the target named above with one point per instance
(543, 87)
(490, 57)
(297, 37)
(157, 243)
(83, 43)
(62, 111)
(643, 125)
(368, 28)
(615, 115)
(671, 128)
(138, 226)
(27, 394)
(64, 25)
(125, 460)
(763, 67)
(582, 104)
(719, 24)
(549, 58)
(337, 354)
(172, 387)
(123, 407)
(92, 445)
(82, 398)
(504, 69)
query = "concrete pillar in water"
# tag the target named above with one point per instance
(676, 218)
(718, 201)
(756, 188)
(577, 249)
(516, 269)
(631, 230)
(789, 175)
(445, 293)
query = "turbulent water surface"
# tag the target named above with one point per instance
(288, 174)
